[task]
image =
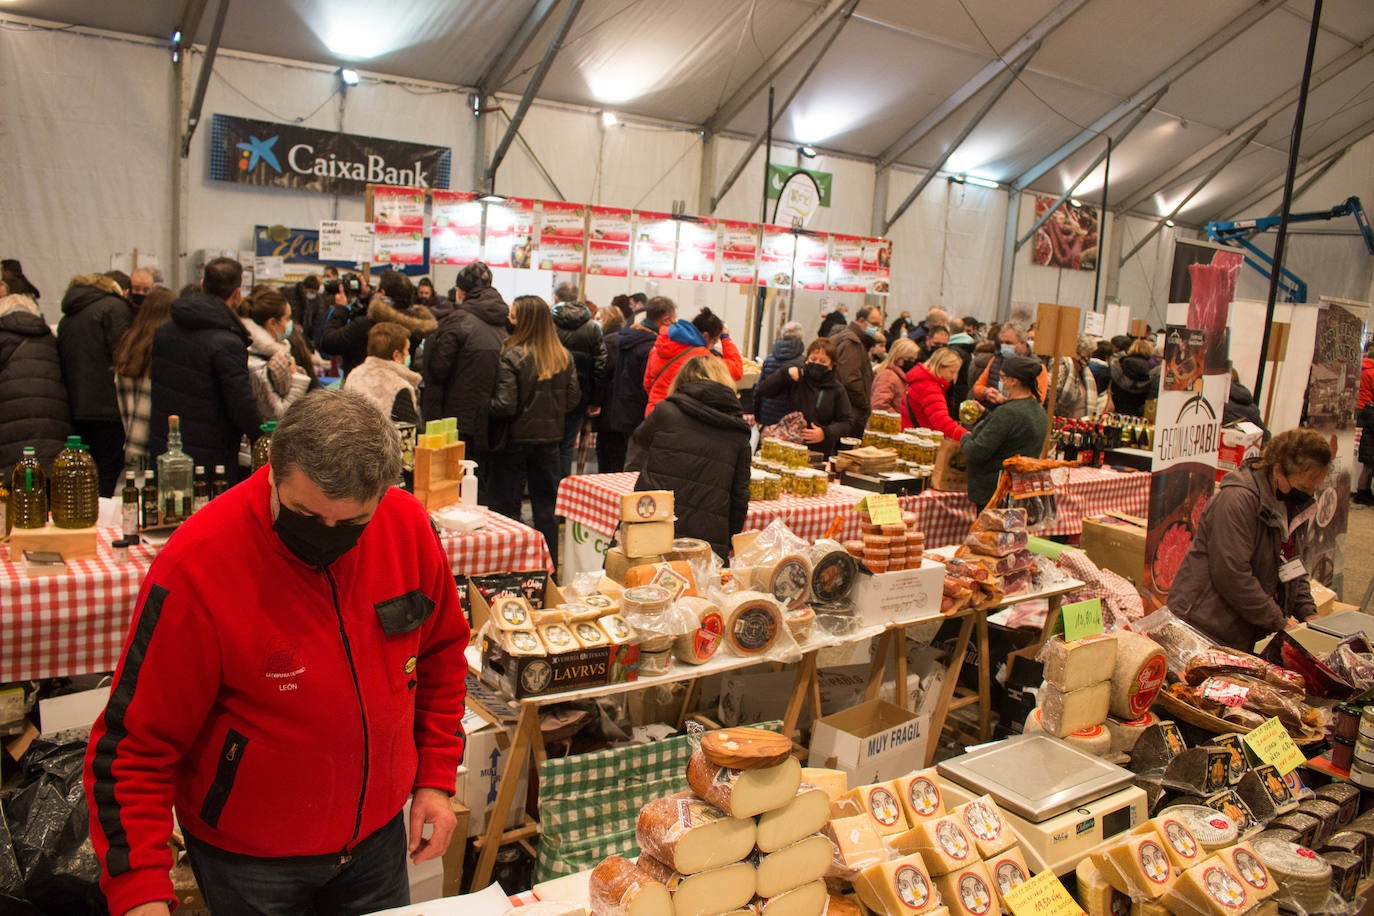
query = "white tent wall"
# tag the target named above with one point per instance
(1143, 286)
(85, 154)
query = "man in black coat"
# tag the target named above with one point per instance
(628, 399)
(582, 338)
(308, 308)
(200, 372)
(31, 386)
(835, 322)
(788, 350)
(95, 316)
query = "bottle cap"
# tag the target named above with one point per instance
(73, 442)
(29, 451)
(200, 469)
(269, 426)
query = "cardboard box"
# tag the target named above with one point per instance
(527, 676)
(484, 760)
(1117, 544)
(872, 742)
(480, 612)
(901, 596)
(1323, 597)
(951, 471)
(72, 710)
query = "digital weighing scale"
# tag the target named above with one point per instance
(1059, 801)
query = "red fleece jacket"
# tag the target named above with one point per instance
(284, 710)
(925, 402)
(1366, 382)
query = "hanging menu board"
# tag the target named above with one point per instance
(456, 228)
(846, 264)
(739, 252)
(696, 250)
(562, 255)
(775, 259)
(563, 221)
(609, 241)
(655, 245)
(400, 208)
(397, 245)
(877, 266)
(510, 226)
(812, 254)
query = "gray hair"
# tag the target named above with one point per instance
(565, 292)
(341, 442)
(1018, 327)
(793, 329)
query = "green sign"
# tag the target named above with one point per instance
(778, 175)
(1083, 618)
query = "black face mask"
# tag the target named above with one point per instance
(314, 542)
(1296, 500)
(817, 373)
(137, 298)
(906, 365)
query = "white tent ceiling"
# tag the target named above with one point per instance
(892, 64)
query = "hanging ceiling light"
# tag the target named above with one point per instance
(808, 151)
(348, 77)
(608, 119)
(980, 182)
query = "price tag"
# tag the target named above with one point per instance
(1272, 745)
(1042, 895)
(883, 509)
(1083, 618)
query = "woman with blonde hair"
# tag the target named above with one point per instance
(696, 443)
(1134, 379)
(536, 386)
(889, 379)
(926, 385)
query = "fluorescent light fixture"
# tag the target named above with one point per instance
(348, 77)
(491, 197)
(1169, 223)
(808, 151)
(980, 182)
(608, 119)
(1075, 202)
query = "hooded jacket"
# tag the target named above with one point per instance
(962, 344)
(583, 339)
(1240, 405)
(671, 350)
(31, 386)
(855, 372)
(696, 444)
(628, 401)
(200, 372)
(389, 385)
(92, 323)
(345, 336)
(1133, 383)
(1227, 584)
(248, 718)
(787, 351)
(460, 364)
(926, 404)
(825, 405)
(535, 408)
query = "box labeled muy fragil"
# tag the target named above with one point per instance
(872, 742)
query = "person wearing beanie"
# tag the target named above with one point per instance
(1017, 427)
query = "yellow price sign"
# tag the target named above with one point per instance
(883, 509)
(1042, 895)
(1271, 743)
(1083, 619)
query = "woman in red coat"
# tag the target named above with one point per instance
(926, 385)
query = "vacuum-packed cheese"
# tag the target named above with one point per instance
(753, 622)
(1080, 663)
(839, 905)
(619, 887)
(706, 893)
(857, 843)
(806, 814)
(984, 822)
(1303, 875)
(1126, 733)
(1137, 866)
(792, 866)
(1213, 829)
(647, 506)
(943, 843)
(675, 577)
(1183, 847)
(878, 801)
(558, 638)
(920, 796)
(699, 645)
(833, 782)
(1007, 869)
(685, 832)
(969, 891)
(1247, 866)
(1210, 887)
(901, 887)
(743, 793)
(1138, 676)
(808, 900)
(1065, 712)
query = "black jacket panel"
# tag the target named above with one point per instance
(92, 323)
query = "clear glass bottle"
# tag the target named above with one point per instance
(200, 491)
(75, 487)
(28, 492)
(175, 470)
(262, 446)
(129, 516)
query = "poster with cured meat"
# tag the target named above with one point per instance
(398, 245)
(776, 253)
(510, 227)
(608, 259)
(609, 224)
(846, 264)
(455, 227)
(655, 245)
(696, 250)
(1068, 239)
(562, 255)
(563, 221)
(401, 208)
(877, 266)
(813, 252)
(739, 238)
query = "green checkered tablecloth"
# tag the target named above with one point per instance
(588, 803)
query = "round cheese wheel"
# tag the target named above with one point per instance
(1126, 734)
(833, 576)
(1213, 829)
(690, 550)
(799, 623)
(790, 580)
(620, 886)
(753, 621)
(1138, 676)
(646, 600)
(1094, 740)
(1302, 873)
(698, 646)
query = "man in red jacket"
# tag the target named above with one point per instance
(293, 673)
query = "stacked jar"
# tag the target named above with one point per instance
(1362, 766)
(888, 548)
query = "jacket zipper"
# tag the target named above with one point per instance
(362, 716)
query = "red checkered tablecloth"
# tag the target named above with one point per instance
(75, 623)
(594, 502)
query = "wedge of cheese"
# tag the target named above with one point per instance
(806, 814)
(1137, 866)
(969, 891)
(808, 900)
(1210, 887)
(857, 844)
(920, 796)
(804, 861)
(1080, 663)
(838, 905)
(1094, 893)
(1065, 712)
(743, 793)
(647, 506)
(833, 782)
(619, 887)
(1007, 869)
(1179, 841)
(879, 801)
(902, 887)
(692, 836)
(1246, 864)
(706, 893)
(985, 823)
(943, 843)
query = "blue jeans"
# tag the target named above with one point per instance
(538, 466)
(372, 878)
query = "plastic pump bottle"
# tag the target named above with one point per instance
(467, 490)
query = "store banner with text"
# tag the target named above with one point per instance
(302, 247)
(245, 151)
(779, 175)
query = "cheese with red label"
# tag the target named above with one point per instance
(969, 891)
(1065, 712)
(1138, 676)
(808, 900)
(1126, 733)
(806, 814)
(618, 887)
(880, 802)
(1209, 887)
(685, 832)
(901, 887)
(792, 866)
(857, 843)
(920, 796)
(1247, 865)
(833, 782)
(706, 893)
(985, 823)
(697, 646)
(1080, 663)
(1137, 866)
(1182, 845)
(1007, 869)
(943, 843)
(647, 506)
(743, 793)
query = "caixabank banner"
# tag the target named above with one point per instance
(290, 156)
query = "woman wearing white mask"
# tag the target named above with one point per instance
(1012, 341)
(277, 381)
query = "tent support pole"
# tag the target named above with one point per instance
(203, 82)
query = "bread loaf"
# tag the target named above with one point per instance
(685, 832)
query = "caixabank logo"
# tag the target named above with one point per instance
(260, 153)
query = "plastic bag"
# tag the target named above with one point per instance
(1353, 661)
(49, 827)
(1321, 681)
(1181, 642)
(1001, 520)
(996, 543)
(1217, 662)
(1257, 696)
(1033, 492)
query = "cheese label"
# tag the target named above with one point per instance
(1177, 835)
(600, 602)
(924, 797)
(1173, 738)
(706, 640)
(514, 611)
(1271, 743)
(1250, 869)
(1008, 875)
(1218, 772)
(1083, 619)
(646, 506)
(982, 821)
(952, 840)
(911, 886)
(790, 581)
(726, 777)
(1044, 895)
(692, 813)
(589, 634)
(1154, 862)
(884, 807)
(1148, 681)
(1223, 887)
(616, 627)
(1274, 784)
(974, 894)
(755, 628)
(1232, 744)
(667, 579)
(524, 641)
(558, 636)
(1233, 806)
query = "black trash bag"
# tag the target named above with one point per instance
(11, 878)
(49, 827)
